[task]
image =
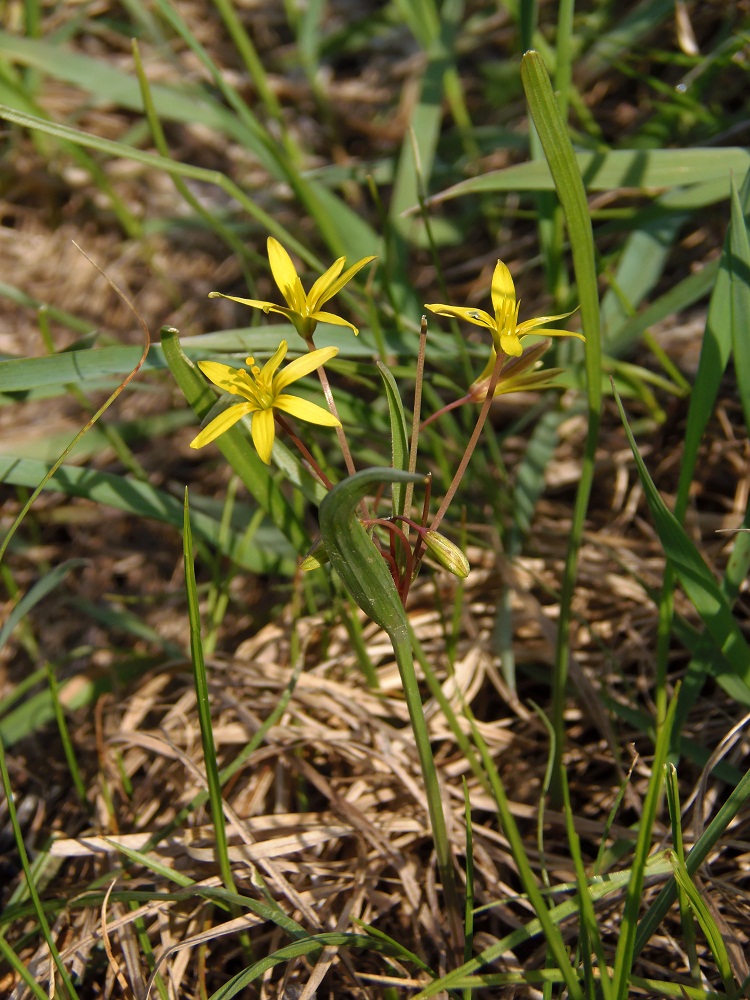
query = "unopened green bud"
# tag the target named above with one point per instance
(315, 558)
(447, 553)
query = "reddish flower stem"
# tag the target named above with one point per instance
(316, 469)
(481, 419)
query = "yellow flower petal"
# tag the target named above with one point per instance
(221, 423)
(221, 375)
(338, 284)
(503, 289)
(303, 366)
(510, 344)
(303, 409)
(319, 289)
(253, 303)
(334, 320)
(285, 275)
(269, 368)
(476, 316)
(302, 310)
(263, 432)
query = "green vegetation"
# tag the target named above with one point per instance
(247, 747)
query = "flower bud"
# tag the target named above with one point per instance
(315, 558)
(447, 553)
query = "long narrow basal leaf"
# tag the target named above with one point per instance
(739, 294)
(268, 554)
(235, 446)
(639, 270)
(85, 366)
(418, 149)
(716, 347)
(203, 704)
(399, 434)
(558, 150)
(736, 260)
(692, 572)
(643, 169)
(625, 952)
(715, 351)
(119, 149)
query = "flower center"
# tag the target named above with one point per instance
(263, 387)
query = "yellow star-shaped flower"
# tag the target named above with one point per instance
(504, 326)
(263, 392)
(303, 309)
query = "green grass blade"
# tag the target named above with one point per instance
(626, 943)
(45, 585)
(686, 916)
(110, 84)
(558, 150)
(210, 218)
(41, 917)
(204, 709)
(712, 933)
(118, 149)
(310, 947)
(591, 938)
(696, 578)
(399, 434)
(739, 295)
(545, 921)
(62, 726)
(21, 970)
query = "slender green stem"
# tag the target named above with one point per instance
(405, 659)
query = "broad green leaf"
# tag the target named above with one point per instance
(352, 552)
(639, 270)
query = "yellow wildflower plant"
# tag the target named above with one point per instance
(503, 325)
(263, 392)
(303, 309)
